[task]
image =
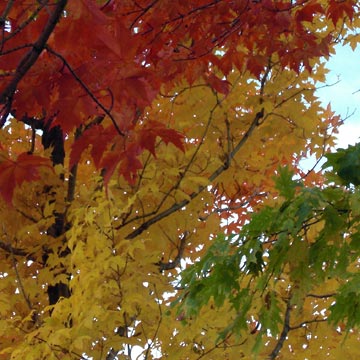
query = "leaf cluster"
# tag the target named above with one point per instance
(281, 258)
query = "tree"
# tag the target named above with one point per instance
(133, 134)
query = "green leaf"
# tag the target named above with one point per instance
(346, 164)
(347, 304)
(285, 184)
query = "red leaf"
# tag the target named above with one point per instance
(128, 163)
(129, 166)
(338, 9)
(154, 129)
(308, 11)
(98, 138)
(221, 86)
(14, 173)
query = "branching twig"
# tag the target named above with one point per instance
(222, 344)
(157, 327)
(173, 264)
(21, 26)
(184, 171)
(86, 89)
(212, 177)
(143, 12)
(18, 278)
(234, 207)
(307, 322)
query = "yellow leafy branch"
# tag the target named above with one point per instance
(182, 174)
(18, 278)
(177, 206)
(157, 326)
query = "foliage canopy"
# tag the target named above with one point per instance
(140, 212)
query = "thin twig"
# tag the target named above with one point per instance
(18, 278)
(158, 325)
(323, 296)
(307, 322)
(86, 88)
(26, 22)
(173, 264)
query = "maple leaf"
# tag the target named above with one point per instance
(164, 72)
(14, 173)
(130, 164)
(126, 161)
(153, 129)
(221, 86)
(97, 137)
(337, 10)
(308, 11)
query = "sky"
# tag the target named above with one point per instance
(343, 96)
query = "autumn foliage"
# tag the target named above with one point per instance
(137, 140)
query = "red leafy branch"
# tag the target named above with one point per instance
(87, 90)
(29, 59)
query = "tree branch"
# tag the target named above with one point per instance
(307, 322)
(321, 296)
(25, 23)
(157, 326)
(173, 264)
(283, 334)
(212, 177)
(11, 250)
(18, 278)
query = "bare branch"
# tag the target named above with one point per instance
(11, 250)
(321, 296)
(307, 322)
(173, 264)
(283, 334)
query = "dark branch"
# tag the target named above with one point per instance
(321, 296)
(11, 250)
(283, 334)
(301, 325)
(173, 264)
